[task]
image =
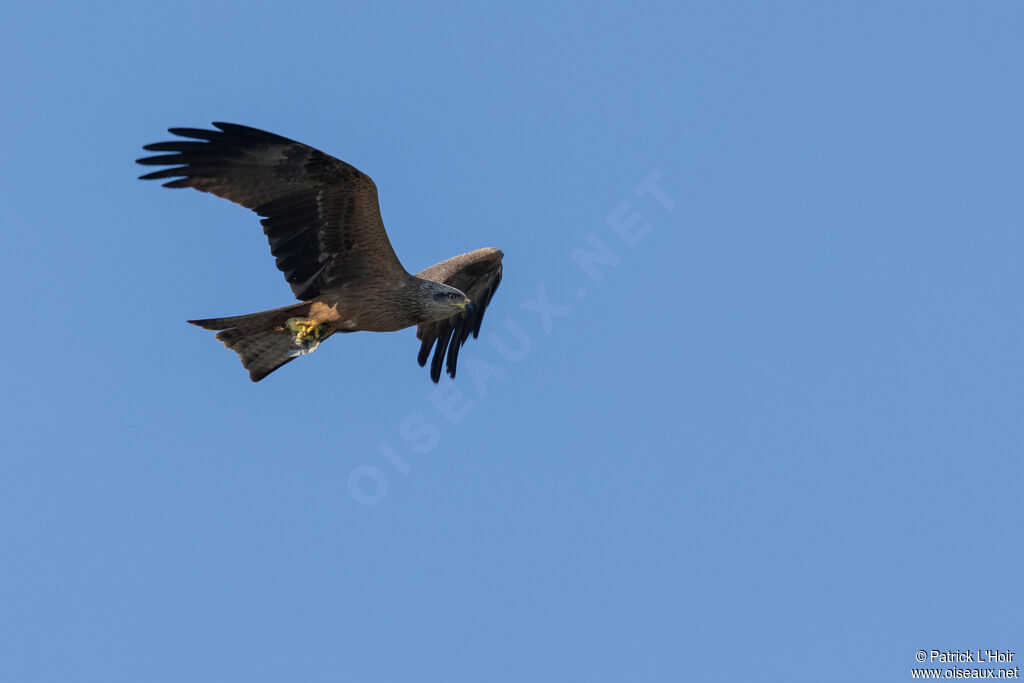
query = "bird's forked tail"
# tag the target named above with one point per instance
(267, 340)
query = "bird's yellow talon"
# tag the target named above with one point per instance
(308, 333)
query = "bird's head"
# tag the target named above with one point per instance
(443, 301)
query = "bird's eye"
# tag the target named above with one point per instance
(453, 296)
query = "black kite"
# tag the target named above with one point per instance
(323, 223)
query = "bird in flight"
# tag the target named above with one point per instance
(323, 223)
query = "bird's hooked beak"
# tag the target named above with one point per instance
(465, 305)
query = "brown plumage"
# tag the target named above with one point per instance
(323, 223)
(478, 274)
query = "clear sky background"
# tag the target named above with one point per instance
(778, 440)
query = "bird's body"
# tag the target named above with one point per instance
(321, 218)
(355, 306)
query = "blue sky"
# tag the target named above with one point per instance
(779, 438)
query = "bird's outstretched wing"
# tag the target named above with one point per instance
(477, 274)
(320, 214)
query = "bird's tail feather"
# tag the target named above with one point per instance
(267, 340)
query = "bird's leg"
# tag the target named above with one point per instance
(308, 332)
